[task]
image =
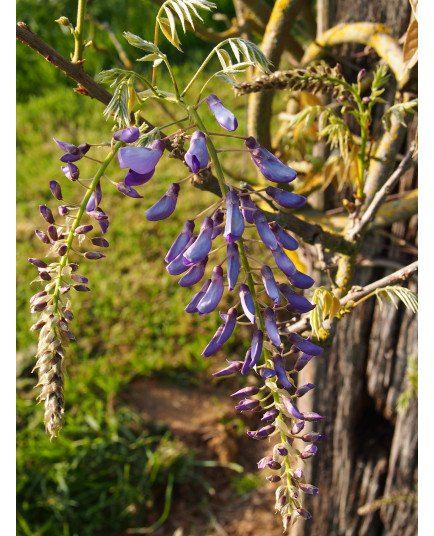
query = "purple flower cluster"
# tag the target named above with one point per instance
(194, 256)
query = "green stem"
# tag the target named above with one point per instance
(71, 236)
(172, 76)
(79, 32)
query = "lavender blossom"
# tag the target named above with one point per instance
(234, 367)
(213, 346)
(300, 280)
(270, 166)
(247, 365)
(297, 303)
(165, 206)
(177, 266)
(194, 275)
(224, 117)
(270, 415)
(127, 135)
(256, 347)
(247, 302)
(181, 241)
(222, 334)
(302, 361)
(304, 389)
(248, 405)
(251, 390)
(94, 199)
(132, 178)
(298, 427)
(234, 219)
(217, 220)
(291, 408)
(128, 191)
(285, 199)
(304, 345)
(192, 306)
(271, 326)
(233, 265)
(46, 213)
(284, 240)
(270, 284)
(266, 234)
(267, 373)
(201, 246)
(214, 293)
(197, 156)
(279, 367)
(283, 261)
(142, 160)
(308, 488)
(313, 436)
(312, 416)
(247, 206)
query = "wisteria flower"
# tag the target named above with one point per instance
(127, 135)
(269, 165)
(165, 206)
(225, 118)
(234, 227)
(142, 160)
(197, 156)
(201, 246)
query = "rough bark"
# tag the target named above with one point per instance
(371, 454)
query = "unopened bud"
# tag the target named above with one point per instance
(55, 190)
(81, 288)
(63, 210)
(65, 289)
(37, 295)
(93, 255)
(38, 263)
(96, 215)
(73, 266)
(62, 250)
(101, 242)
(79, 278)
(44, 275)
(42, 236)
(273, 478)
(63, 21)
(83, 229)
(361, 75)
(67, 314)
(83, 148)
(366, 100)
(52, 232)
(38, 325)
(46, 213)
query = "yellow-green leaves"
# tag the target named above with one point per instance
(327, 305)
(390, 293)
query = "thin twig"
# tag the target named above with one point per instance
(370, 212)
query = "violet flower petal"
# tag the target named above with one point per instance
(194, 275)
(192, 306)
(296, 302)
(234, 227)
(270, 415)
(285, 199)
(270, 166)
(292, 408)
(247, 365)
(181, 241)
(266, 234)
(300, 280)
(141, 159)
(270, 285)
(308, 452)
(197, 155)
(247, 302)
(251, 390)
(256, 347)
(233, 265)
(214, 293)
(202, 245)
(247, 203)
(229, 326)
(128, 191)
(217, 220)
(267, 372)
(280, 371)
(283, 261)
(225, 118)
(271, 326)
(304, 345)
(165, 206)
(235, 366)
(248, 405)
(127, 135)
(177, 266)
(285, 240)
(214, 345)
(70, 158)
(67, 147)
(91, 204)
(304, 389)
(302, 361)
(132, 178)
(70, 171)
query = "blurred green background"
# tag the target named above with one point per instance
(110, 468)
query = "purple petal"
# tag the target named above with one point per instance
(70, 171)
(91, 205)
(165, 206)
(132, 178)
(267, 372)
(248, 405)
(127, 135)
(141, 159)
(271, 326)
(270, 166)
(284, 240)
(224, 117)
(311, 416)
(270, 415)
(280, 371)
(194, 275)
(251, 390)
(304, 389)
(67, 147)
(283, 261)
(213, 346)
(233, 265)
(234, 219)
(270, 284)
(128, 191)
(247, 365)
(297, 303)
(247, 302)
(302, 361)
(177, 266)
(217, 219)
(202, 245)
(300, 280)
(305, 345)
(247, 203)
(181, 241)
(197, 155)
(235, 366)
(256, 347)
(192, 306)
(292, 408)
(229, 326)
(266, 234)
(214, 293)
(285, 199)
(70, 157)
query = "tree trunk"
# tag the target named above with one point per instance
(371, 453)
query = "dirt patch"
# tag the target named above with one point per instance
(204, 419)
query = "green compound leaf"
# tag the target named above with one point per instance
(118, 106)
(170, 32)
(113, 76)
(251, 52)
(138, 42)
(391, 293)
(399, 111)
(148, 137)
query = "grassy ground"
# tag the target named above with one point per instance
(131, 324)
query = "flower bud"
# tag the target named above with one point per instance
(181, 241)
(248, 405)
(46, 213)
(270, 415)
(100, 242)
(67, 314)
(270, 284)
(302, 361)
(234, 227)
(297, 427)
(83, 148)
(280, 371)
(297, 303)
(79, 278)
(248, 207)
(214, 293)
(194, 275)
(273, 478)
(197, 156)
(52, 233)
(271, 326)
(127, 135)
(192, 306)
(55, 190)
(44, 275)
(300, 280)
(311, 416)
(246, 391)
(305, 345)
(313, 436)
(233, 269)
(93, 255)
(291, 408)
(224, 117)
(42, 236)
(285, 199)
(235, 366)
(62, 250)
(270, 166)
(97, 215)
(267, 372)
(38, 263)
(82, 229)
(81, 288)
(164, 208)
(308, 488)
(266, 234)
(63, 210)
(304, 389)
(70, 171)
(128, 191)
(200, 248)
(284, 240)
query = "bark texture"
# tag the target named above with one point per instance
(371, 454)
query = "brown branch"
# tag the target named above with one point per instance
(378, 198)
(392, 279)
